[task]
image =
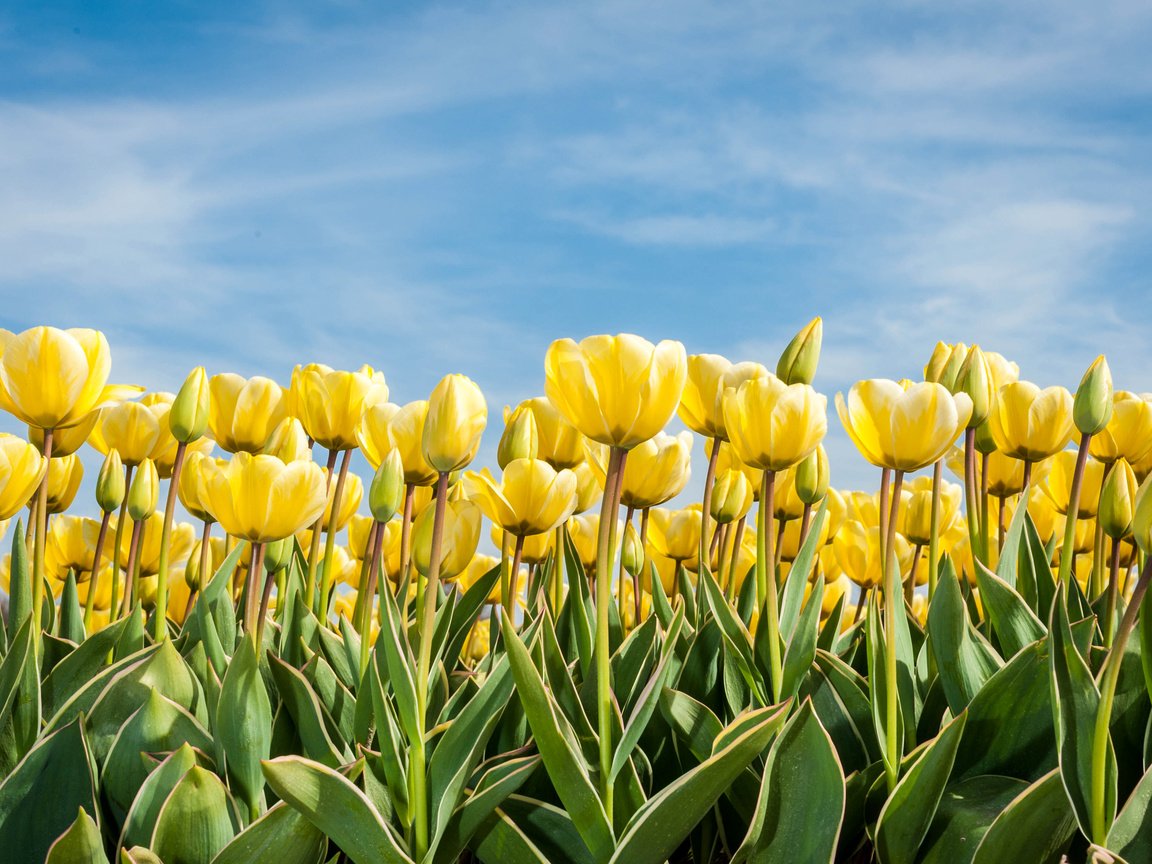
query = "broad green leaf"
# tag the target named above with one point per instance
(244, 726)
(661, 825)
(71, 615)
(282, 835)
(79, 667)
(792, 597)
(494, 787)
(500, 841)
(910, 808)
(1129, 835)
(1015, 624)
(839, 697)
(693, 721)
(1034, 828)
(308, 715)
(548, 828)
(336, 807)
(13, 670)
(965, 814)
(736, 636)
(196, 821)
(80, 844)
(392, 643)
(801, 648)
(964, 660)
(153, 792)
(801, 803)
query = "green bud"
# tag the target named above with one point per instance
(277, 555)
(192, 568)
(189, 415)
(945, 363)
(1142, 516)
(798, 362)
(1092, 408)
(731, 496)
(110, 483)
(520, 440)
(386, 494)
(975, 379)
(812, 476)
(144, 491)
(1118, 500)
(632, 552)
(985, 443)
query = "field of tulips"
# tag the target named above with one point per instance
(244, 652)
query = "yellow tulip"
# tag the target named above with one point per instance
(789, 546)
(1005, 473)
(1057, 486)
(331, 402)
(858, 552)
(164, 451)
(129, 428)
(66, 440)
(1004, 371)
(477, 644)
(833, 591)
(191, 490)
(261, 499)
(64, 476)
(1118, 500)
(531, 498)
(589, 487)
(22, 467)
(349, 502)
(917, 522)
(460, 538)
(773, 425)
(709, 377)
(786, 503)
(727, 460)
(1142, 517)
(1030, 423)
(731, 497)
(617, 390)
(51, 377)
(675, 534)
(359, 533)
(386, 427)
(904, 428)
(1128, 434)
(244, 412)
(478, 567)
(944, 364)
(217, 548)
(583, 531)
(71, 545)
(536, 546)
(558, 442)
(288, 442)
(657, 470)
(457, 415)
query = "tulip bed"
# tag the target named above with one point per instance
(929, 671)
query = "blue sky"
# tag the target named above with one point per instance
(448, 187)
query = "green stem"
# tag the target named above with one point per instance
(1110, 675)
(375, 568)
(985, 532)
(1113, 588)
(330, 537)
(314, 544)
(403, 579)
(117, 539)
(971, 496)
(1067, 550)
(620, 573)
(160, 619)
(97, 555)
(604, 557)
(766, 578)
(41, 538)
(706, 509)
(893, 603)
(130, 570)
(513, 575)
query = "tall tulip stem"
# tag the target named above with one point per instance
(117, 539)
(314, 544)
(160, 619)
(893, 605)
(1067, 550)
(934, 529)
(405, 577)
(1113, 590)
(513, 575)
(766, 578)
(97, 556)
(706, 509)
(1109, 676)
(41, 537)
(375, 568)
(130, 570)
(972, 497)
(330, 537)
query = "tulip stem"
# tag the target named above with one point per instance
(709, 482)
(41, 537)
(557, 575)
(117, 539)
(985, 532)
(1109, 676)
(972, 496)
(1113, 589)
(934, 529)
(513, 576)
(97, 554)
(160, 618)
(330, 537)
(734, 556)
(1070, 518)
(893, 604)
(259, 591)
(620, 573)
(130, 570)
(766, 578)
(1098, 585)
(404, 578)
(375, 566)
(427, 611)
(1001, 526)
(314, 543)
(604, 557)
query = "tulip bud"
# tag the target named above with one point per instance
(632, 551)
(985, 443)
(731, 496)
(144, 491)
(386, 494)
(975, 378)
(945, 363)
(277, 555)
(457, 415)
(798, 362)
(1092, 407)
(936, 363)
(110, 483)
(1142, 516)
(812, 476)
(188, 418)
(1117, 500)
(520, 440)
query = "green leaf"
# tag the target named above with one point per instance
(692, 721)
(336, 807)
(392, 642)
(910, 808)
(1014, 623)
(19, 579)
(1034, 828)
(798, 575)
(1129, 835)
(50, 784)
(502, 842)
(308, 715)
(1075, 702)
(494, 787)
(80, 844)
(661, 825)
(153, 792)
(71, 615)
(801, 803)
(79, 667)
(964, 660)
(801, 648)
(736, 637)
(196, 821)
(14, 670)
(839, 697)
(282, 835)
(244, 726)
(563, 762)
(549, 829)
(966, 811)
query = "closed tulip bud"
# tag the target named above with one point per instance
(559, 443)
(144, 491)
(798, 362)
(985, 443)
(277, 555)
(188, 418)
(812, 477)
(1142, 516)
(457, 415)
(1117, 500)
(110, 482)
(945, 363)
(1092, 407)
(632, 551)
(520, 439)
(731, 497)
(386, 494)
(975, 379)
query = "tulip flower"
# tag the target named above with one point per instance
(71, 545)
(520, 439)
(799, 360)
(461, 535)
(1029, 423)
(330, 403)
(244, 412)
(457, 415)
(66, 440)
(1116, 512)
(1128, 434)
(709, 377)
(944, 365)
(64, 477)
(656, 471)
(288, 442)
(558, 442)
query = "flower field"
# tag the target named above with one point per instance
(242, 651)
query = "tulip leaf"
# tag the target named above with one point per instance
(392, 642)
(548, 828)
(1129, 835)
(152, 794)
(966, 811)
(502, 842)
(736, 637)
(196, 821)
(793, 595)
(1013, 621)
(562, 760)
(909, 810)
(692, 721)
(38, 799)
(1144, 638)
(1034, 828)
(801, 802)
(661, 825)
(1008, 565)
(139, 855)
(336, 807)
(964, 660)
(839, 697)
(71, 615)
(496, 784)
(1075, 702)
(80, 844)
(801, 648)
(308, 715)
(579, 605)
(282, 835)
(19, 580)
(14, 669)
(79, 667)
(244, 726)
(465, 611)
